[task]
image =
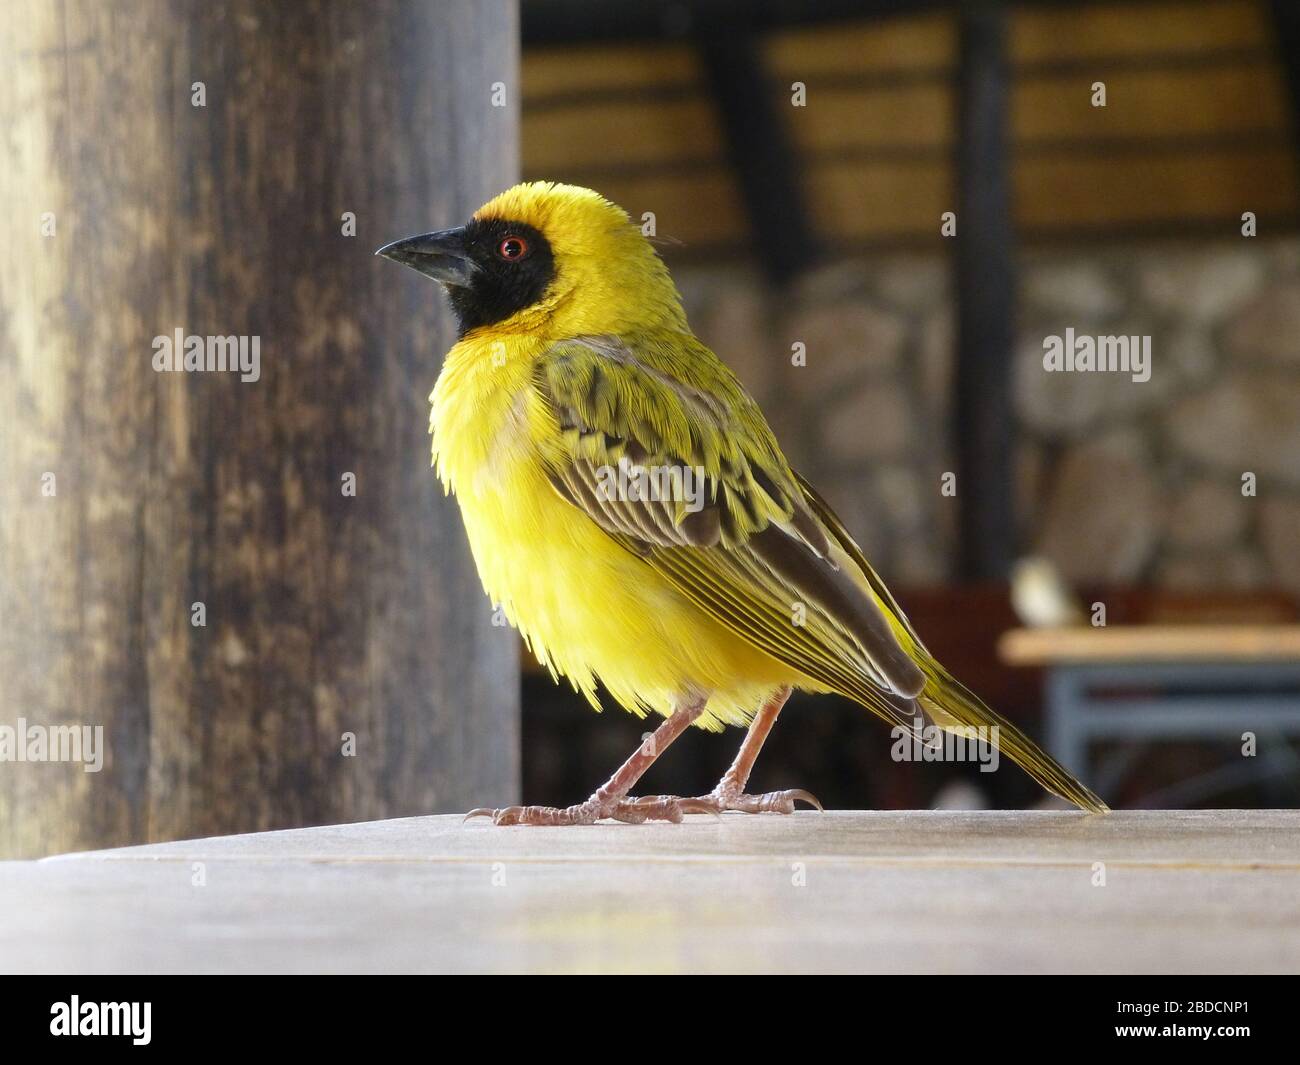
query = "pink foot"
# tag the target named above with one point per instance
(632, 811)
(772, 802)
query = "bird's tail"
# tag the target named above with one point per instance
(956, 709)
(949, 704)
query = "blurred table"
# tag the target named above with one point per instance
(1167, 682)
(846, 891)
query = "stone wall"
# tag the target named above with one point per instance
(1118, 480)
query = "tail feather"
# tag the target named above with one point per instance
(954, 708)
(948, 703)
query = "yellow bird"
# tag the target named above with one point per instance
(631, 512)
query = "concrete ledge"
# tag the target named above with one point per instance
(1184, 891)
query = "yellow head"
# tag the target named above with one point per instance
(553, 261)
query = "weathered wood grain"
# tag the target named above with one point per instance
(326, 613)
(900, 891)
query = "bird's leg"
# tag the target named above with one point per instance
(730, 792)
(610, 799)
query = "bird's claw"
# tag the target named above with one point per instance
(659, 808)
(480, 811)
(582, 814)
(772, 802)
(631, 811)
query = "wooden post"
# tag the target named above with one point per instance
(986, 293)
(1286, 35)
(233, 576)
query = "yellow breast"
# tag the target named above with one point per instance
(587, 607)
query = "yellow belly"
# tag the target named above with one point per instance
(590, 609)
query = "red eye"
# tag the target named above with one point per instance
(512, 248)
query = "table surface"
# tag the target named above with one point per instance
(1151, 643)
(907, 891)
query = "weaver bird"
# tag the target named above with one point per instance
(704, 595)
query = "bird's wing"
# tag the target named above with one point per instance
(764, 554)
(749, 551)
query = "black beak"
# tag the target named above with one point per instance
(442, 256)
